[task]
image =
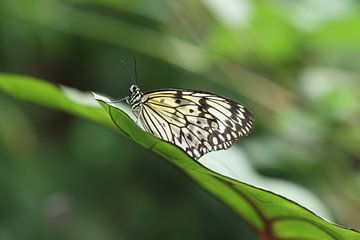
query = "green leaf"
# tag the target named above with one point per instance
(270, 215)
(49, 95)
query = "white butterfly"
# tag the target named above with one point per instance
(197, 122)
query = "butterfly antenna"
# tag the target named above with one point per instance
(136, 82)
(127, 68)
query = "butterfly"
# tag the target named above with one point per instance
(197, 122)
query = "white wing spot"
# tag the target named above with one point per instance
(228, 136)
(214, 125)
(222, 138)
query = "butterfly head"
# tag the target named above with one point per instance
(134, 88)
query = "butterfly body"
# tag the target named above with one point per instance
(197, 122)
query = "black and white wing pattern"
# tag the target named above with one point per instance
(197, 122)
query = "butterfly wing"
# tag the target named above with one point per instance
(197, 122)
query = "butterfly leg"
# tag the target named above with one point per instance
(119, 100)
(138, 116)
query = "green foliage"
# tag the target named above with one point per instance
(293, 63)
(270, 215)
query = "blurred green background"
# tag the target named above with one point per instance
(295, 64)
